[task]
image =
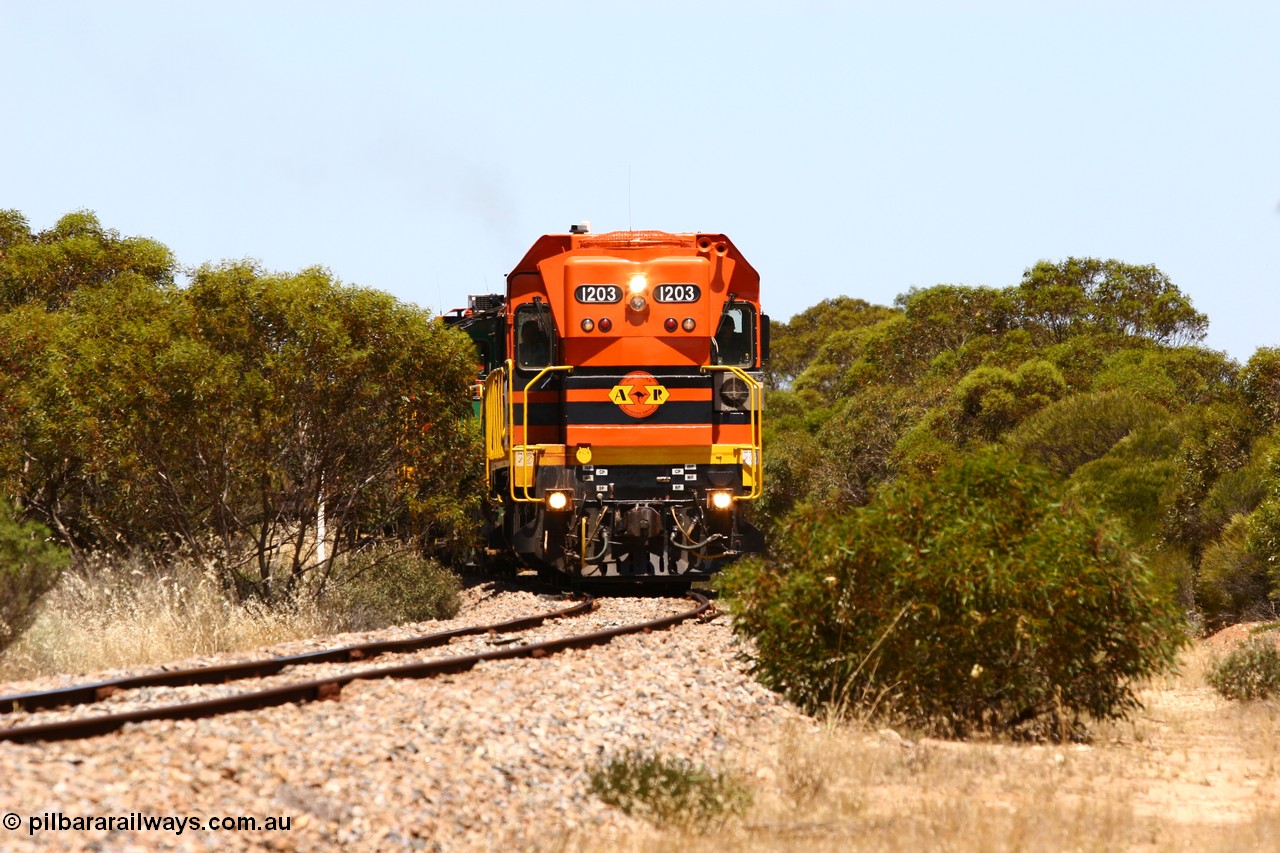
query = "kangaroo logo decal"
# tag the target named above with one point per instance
(639, 394)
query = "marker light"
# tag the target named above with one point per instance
(638, 283)
(688, 324)
(557, 500)
(605, 324)
(670, 324)
(720, 499)
(588, 325)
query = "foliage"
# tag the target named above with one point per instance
(669, 791)
(1090, 367)
(971, 600)
(968, 364)
(796, 342)
(323, 368)
(1239, 492)
(253, 418)
(951, 317)
(990, 401)
(1216, 440)
(1262, 540)
(29, 567)
(1129, 483)
(1251, 671)
(1059, 300)
(790, 462)
(1232, 583)
(1260, 382)
(51, 267)
(1082, 428)
(1172, 378)
(388, 585)
(857, 445)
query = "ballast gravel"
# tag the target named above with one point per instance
(497, 758)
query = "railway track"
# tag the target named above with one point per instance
(325, 687)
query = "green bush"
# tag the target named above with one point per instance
(387, 585)
(1249, 672)
(1234, 494)
(1129, 489)
(1071, 432)
(29, 567)
(975, 600)
(1263, 540)
(1260, 381)
(991, 400)
(1232, 584)
(668, 791)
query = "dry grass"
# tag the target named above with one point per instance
(106, 614)
(1190, 772)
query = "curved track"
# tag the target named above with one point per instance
(304, 691)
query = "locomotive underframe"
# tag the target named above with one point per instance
(628, 521)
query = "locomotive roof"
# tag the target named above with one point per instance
(647, 244)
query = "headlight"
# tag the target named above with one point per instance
(720, 499)
(558, 500)
(734, 393)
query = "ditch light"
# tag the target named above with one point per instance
(720, 499)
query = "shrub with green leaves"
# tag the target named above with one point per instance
(1081, 428)
(992, 400)
(1249, 672)
(1232, 583)
(975, 600)
(668, 791)
(29, 567)
(387, 585)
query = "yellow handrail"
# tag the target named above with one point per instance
(755, 402)
(496, 437)
(526, 447)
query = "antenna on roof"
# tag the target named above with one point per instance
(629, 228)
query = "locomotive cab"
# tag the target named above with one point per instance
(623, 427)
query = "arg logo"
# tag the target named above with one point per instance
(639, 394)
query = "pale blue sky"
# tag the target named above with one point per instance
(847, 148)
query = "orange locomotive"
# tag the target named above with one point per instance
(623, 427)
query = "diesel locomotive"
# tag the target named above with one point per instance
(621, 399)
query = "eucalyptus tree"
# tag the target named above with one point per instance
(264, 421)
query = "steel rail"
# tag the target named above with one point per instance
(86, 694)
(331, 688)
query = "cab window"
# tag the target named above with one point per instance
(534, 337)
(735, 338)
